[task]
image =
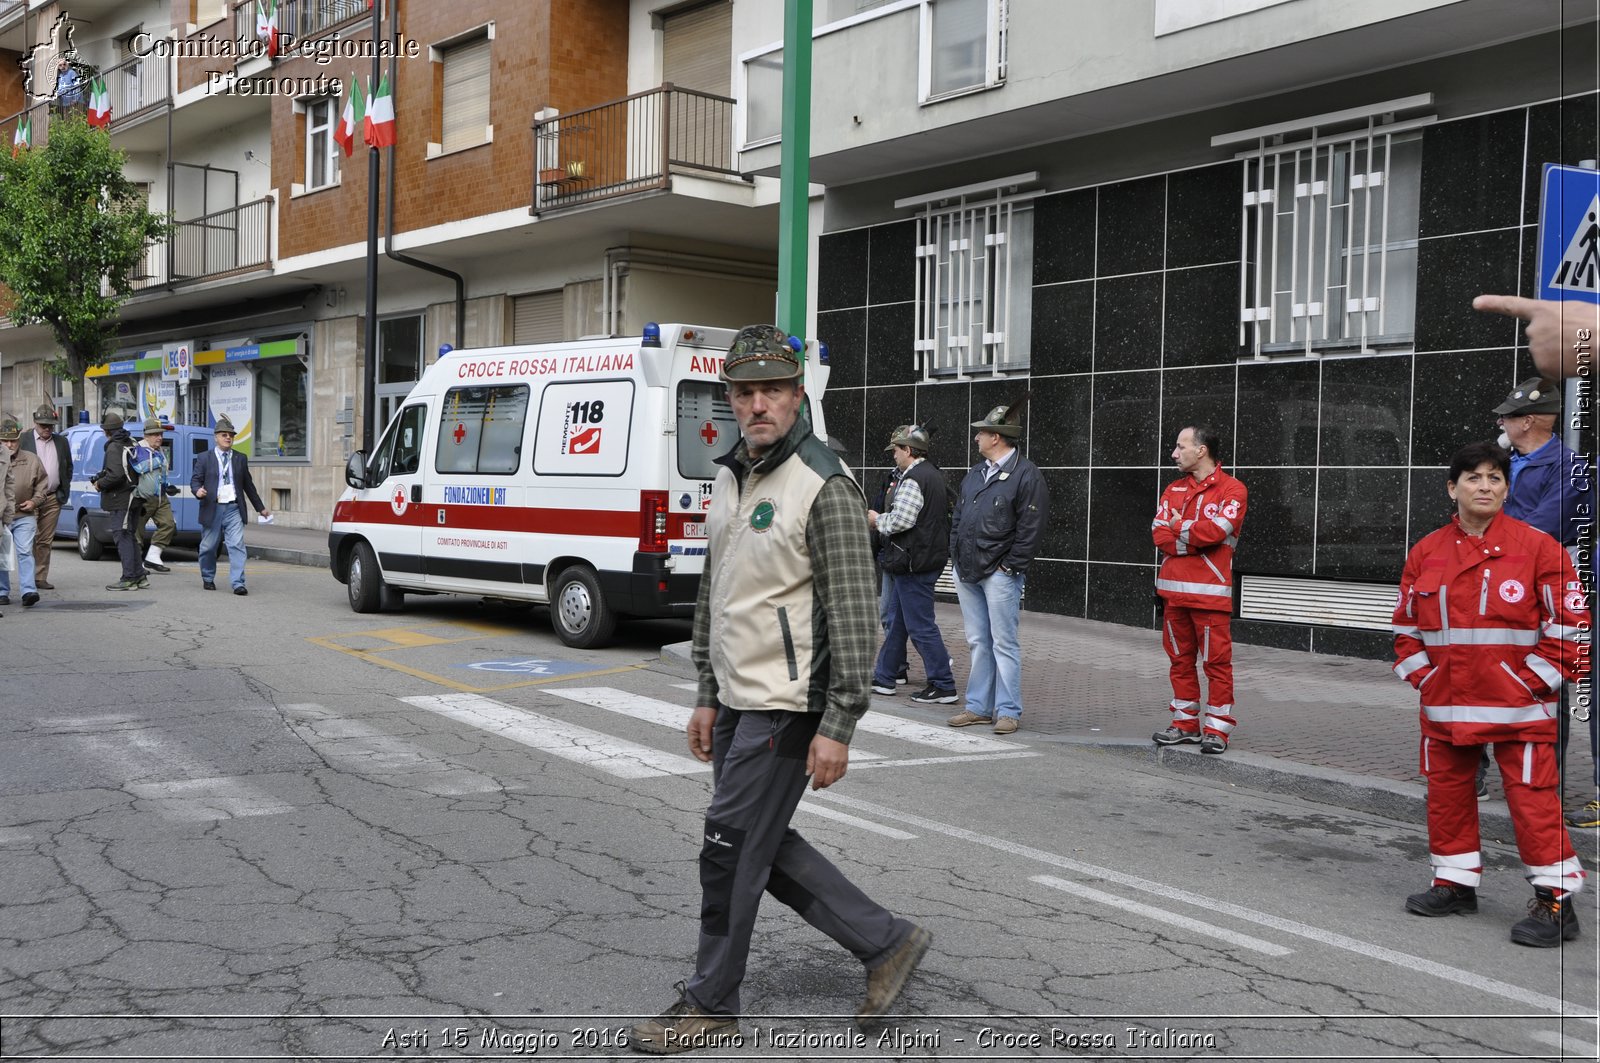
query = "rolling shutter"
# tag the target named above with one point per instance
(1307, 600)
(465, 103)
(537, 318)
(698, 48)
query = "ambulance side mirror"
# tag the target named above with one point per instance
(355, 470)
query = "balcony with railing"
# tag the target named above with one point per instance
(136, 85)
(215, 245)
(300, 19)
(631, 145)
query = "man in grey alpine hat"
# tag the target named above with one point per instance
(783, 641)
(222, 482)
(995, 534)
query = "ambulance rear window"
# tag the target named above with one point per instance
(707, 428)
(480, 430)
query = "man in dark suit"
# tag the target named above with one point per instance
(55, 454)
(222, 482)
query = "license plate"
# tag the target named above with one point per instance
(694, 529)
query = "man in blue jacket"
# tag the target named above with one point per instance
(995, 534)
(1548, 485)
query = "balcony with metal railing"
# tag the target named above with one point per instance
(300, 19)
(631, 145)
(219, 244)
(137, 85)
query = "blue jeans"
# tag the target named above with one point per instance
(228, 525)
(910, 612)
(22, 531)
(989, 611)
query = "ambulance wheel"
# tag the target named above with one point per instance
(364, 581)
(89, 548)
(578, 611)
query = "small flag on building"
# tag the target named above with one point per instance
(99, 104)
(379, 132)
(22, 140)
(267, 25)
(355, 110)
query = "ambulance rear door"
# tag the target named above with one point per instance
(706, 430)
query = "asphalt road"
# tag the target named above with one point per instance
(268, 827)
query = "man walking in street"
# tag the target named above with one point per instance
(150, 464)
(783, 637)
(914, 544)
(55, 455)
(25, 484)
(994, 537)
(1197, 526)
(222, 482)
(115, 485)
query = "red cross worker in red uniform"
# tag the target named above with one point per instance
(1197, 526)
(1491, 619)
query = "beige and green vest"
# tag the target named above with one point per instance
(763, 633)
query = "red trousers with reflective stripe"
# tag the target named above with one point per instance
(1528, 770)
(1188, 634)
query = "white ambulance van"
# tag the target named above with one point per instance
(576, 474)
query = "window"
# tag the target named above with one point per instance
(282, 409)
(963, 46)
(399, 452)
(480, 429)
(763, 97)
(1331, 243)
(399, 349)
(465, 100)
(838, 10)
(975, 285)
(322, 151)
(706, 428)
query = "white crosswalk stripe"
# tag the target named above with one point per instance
(136, 752)
(359, 747)
(650, 710)
(614, 756)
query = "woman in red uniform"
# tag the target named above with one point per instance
(1491, 619)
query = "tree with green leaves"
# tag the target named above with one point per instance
(73, 230)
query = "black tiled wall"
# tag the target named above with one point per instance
(1135, 334)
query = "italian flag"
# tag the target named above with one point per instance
(355, 110)
(22, 140)
(379, 131)
(99, 103)
(267, 25)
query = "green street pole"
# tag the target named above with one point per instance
(794, 203)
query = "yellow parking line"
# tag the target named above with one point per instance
(373, 656)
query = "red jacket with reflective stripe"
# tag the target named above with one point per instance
(1196, 526)
(1487, 629)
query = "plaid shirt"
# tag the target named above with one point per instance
(907, 505)
(843, 578)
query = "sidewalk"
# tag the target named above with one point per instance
(1337, 730)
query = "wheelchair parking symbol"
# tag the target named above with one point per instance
(532, 666)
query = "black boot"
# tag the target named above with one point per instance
(1549, 923)
(1443, 900)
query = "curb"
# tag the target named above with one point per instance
(675, 655)
(286, 556)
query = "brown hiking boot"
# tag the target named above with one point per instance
(885, 981)
(683, 1028)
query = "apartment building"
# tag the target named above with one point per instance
(565, 166)
(1267, 215)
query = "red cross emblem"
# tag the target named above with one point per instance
(709, 434)
(397, 501)
(460, 433)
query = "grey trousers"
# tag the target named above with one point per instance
(759, 764)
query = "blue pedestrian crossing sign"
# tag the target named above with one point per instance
(1569, 233)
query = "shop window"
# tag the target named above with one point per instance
(282, 409)
(975, 286)
(1330, 233)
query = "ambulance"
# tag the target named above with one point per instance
(573, 474)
